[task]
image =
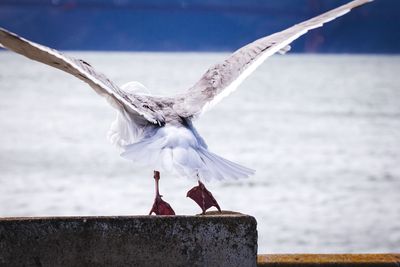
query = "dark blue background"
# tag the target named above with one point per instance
(199, 25)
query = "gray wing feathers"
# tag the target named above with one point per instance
(85, 72)
(223, 78)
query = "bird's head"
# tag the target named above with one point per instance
(135, 87)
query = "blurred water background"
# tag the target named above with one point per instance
(322, 131)
(198, 25)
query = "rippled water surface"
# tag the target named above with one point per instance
(323, 133)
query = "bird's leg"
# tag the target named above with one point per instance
(160, 207)
(203, 197)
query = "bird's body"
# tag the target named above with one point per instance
(174, 146)
(157, 130)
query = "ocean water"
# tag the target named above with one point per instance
(322, 131)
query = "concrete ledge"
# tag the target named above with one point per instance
(219, 240)
(328, 260)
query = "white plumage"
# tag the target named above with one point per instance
(179, 150)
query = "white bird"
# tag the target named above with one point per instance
(158, 131)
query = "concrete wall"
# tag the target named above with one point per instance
(221, 240)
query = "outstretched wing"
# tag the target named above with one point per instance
(223, 78)
(135, 104)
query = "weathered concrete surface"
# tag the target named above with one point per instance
(329, 260)
(211, 240)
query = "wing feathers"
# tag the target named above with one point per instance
(83, 71)
(221, 79)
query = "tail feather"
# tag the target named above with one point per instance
(210, 170)
(227, 169)
(183, 156)
(234, 165)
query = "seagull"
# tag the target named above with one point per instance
(158, 131)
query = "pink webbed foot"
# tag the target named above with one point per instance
(160, 207)
(203, 197)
